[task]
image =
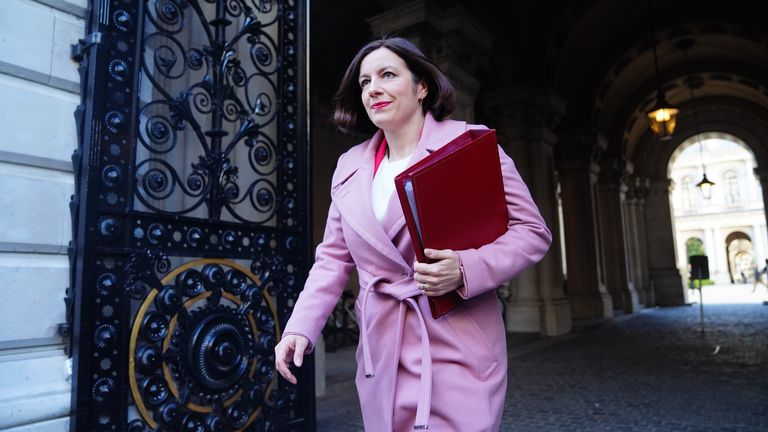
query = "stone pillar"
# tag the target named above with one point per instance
(641, 194)
(614, 232)
(577, 172)
(758, 243)
(664, 274)
(524, 119)
(634, 215)
(762, 177)
(451, 37)
(710, 246)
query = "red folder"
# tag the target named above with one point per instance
(454, 199)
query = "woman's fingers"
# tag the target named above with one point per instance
(437, 291)
(440, 277)
(282, 355)
(298, 352)
(291, 347)
(439, 254)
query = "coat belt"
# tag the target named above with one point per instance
(404, 291)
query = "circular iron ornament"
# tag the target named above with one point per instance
(118, 70)
(104, 336)
(148, 359)
(155, 233)
(109, 228)
(122, 20)
(106, 283)
(201, 349)
(195, 59)
(137, 426)
(115, 121)
(110, 175)
(194, 236)
(103, 389)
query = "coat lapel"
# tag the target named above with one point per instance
(353, 198)
(433, 136)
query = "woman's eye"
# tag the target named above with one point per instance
(388, 75)
(364, 83)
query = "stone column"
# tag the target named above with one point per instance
(577, 172)
(634, 212)
(762, 177)
(524, 119)
(614, 233)
(641, 193)
(722, 254)
(758, 243)
(711, 251)
(451, 37)
(664, 274)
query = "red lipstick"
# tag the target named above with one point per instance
(379, 105)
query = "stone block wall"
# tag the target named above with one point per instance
(39, 90)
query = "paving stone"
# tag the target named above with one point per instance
(654, 370)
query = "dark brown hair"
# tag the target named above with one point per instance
(350, 115)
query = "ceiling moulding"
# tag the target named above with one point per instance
(454, 19)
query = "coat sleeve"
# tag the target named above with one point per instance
(325, 282)
(526, 241)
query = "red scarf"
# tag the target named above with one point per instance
(381, 153)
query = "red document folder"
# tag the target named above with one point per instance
(454, 199)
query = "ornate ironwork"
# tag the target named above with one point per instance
(202, 346)
(218, 96)
(190, 220)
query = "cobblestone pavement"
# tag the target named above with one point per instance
(650, 371)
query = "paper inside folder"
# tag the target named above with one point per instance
(408, 187)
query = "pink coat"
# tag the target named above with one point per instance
(449, 374)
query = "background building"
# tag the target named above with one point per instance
(730, 226)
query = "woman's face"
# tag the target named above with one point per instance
(389, 95)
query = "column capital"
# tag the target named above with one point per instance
(404, 19)
(762, 175)
(525, 106)
(661, 186)
(638, 188)
(579, 147)
(615, 171)
(451, 37)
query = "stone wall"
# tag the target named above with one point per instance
(39, 88)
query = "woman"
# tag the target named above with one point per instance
(414, 372)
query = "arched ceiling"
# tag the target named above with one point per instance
(601, 62)
(597, 56)
(732, 116)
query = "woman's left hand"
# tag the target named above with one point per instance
(440, 277)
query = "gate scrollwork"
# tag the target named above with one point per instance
(190, 217)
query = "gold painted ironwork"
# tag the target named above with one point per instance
(171, 326)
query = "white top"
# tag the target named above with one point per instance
(384, 184)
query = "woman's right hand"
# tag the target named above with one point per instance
(290, 347)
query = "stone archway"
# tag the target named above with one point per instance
(740, 254)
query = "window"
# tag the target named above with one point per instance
(686, 186)
(731, 187)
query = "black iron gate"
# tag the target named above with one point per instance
(190, 218)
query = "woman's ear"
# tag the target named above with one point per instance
(422, 90)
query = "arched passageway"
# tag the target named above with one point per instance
(730, 221)
(569, 104)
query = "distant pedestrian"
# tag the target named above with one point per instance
(759, 275)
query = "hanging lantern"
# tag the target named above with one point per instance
(663, 117)
(705, 186)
